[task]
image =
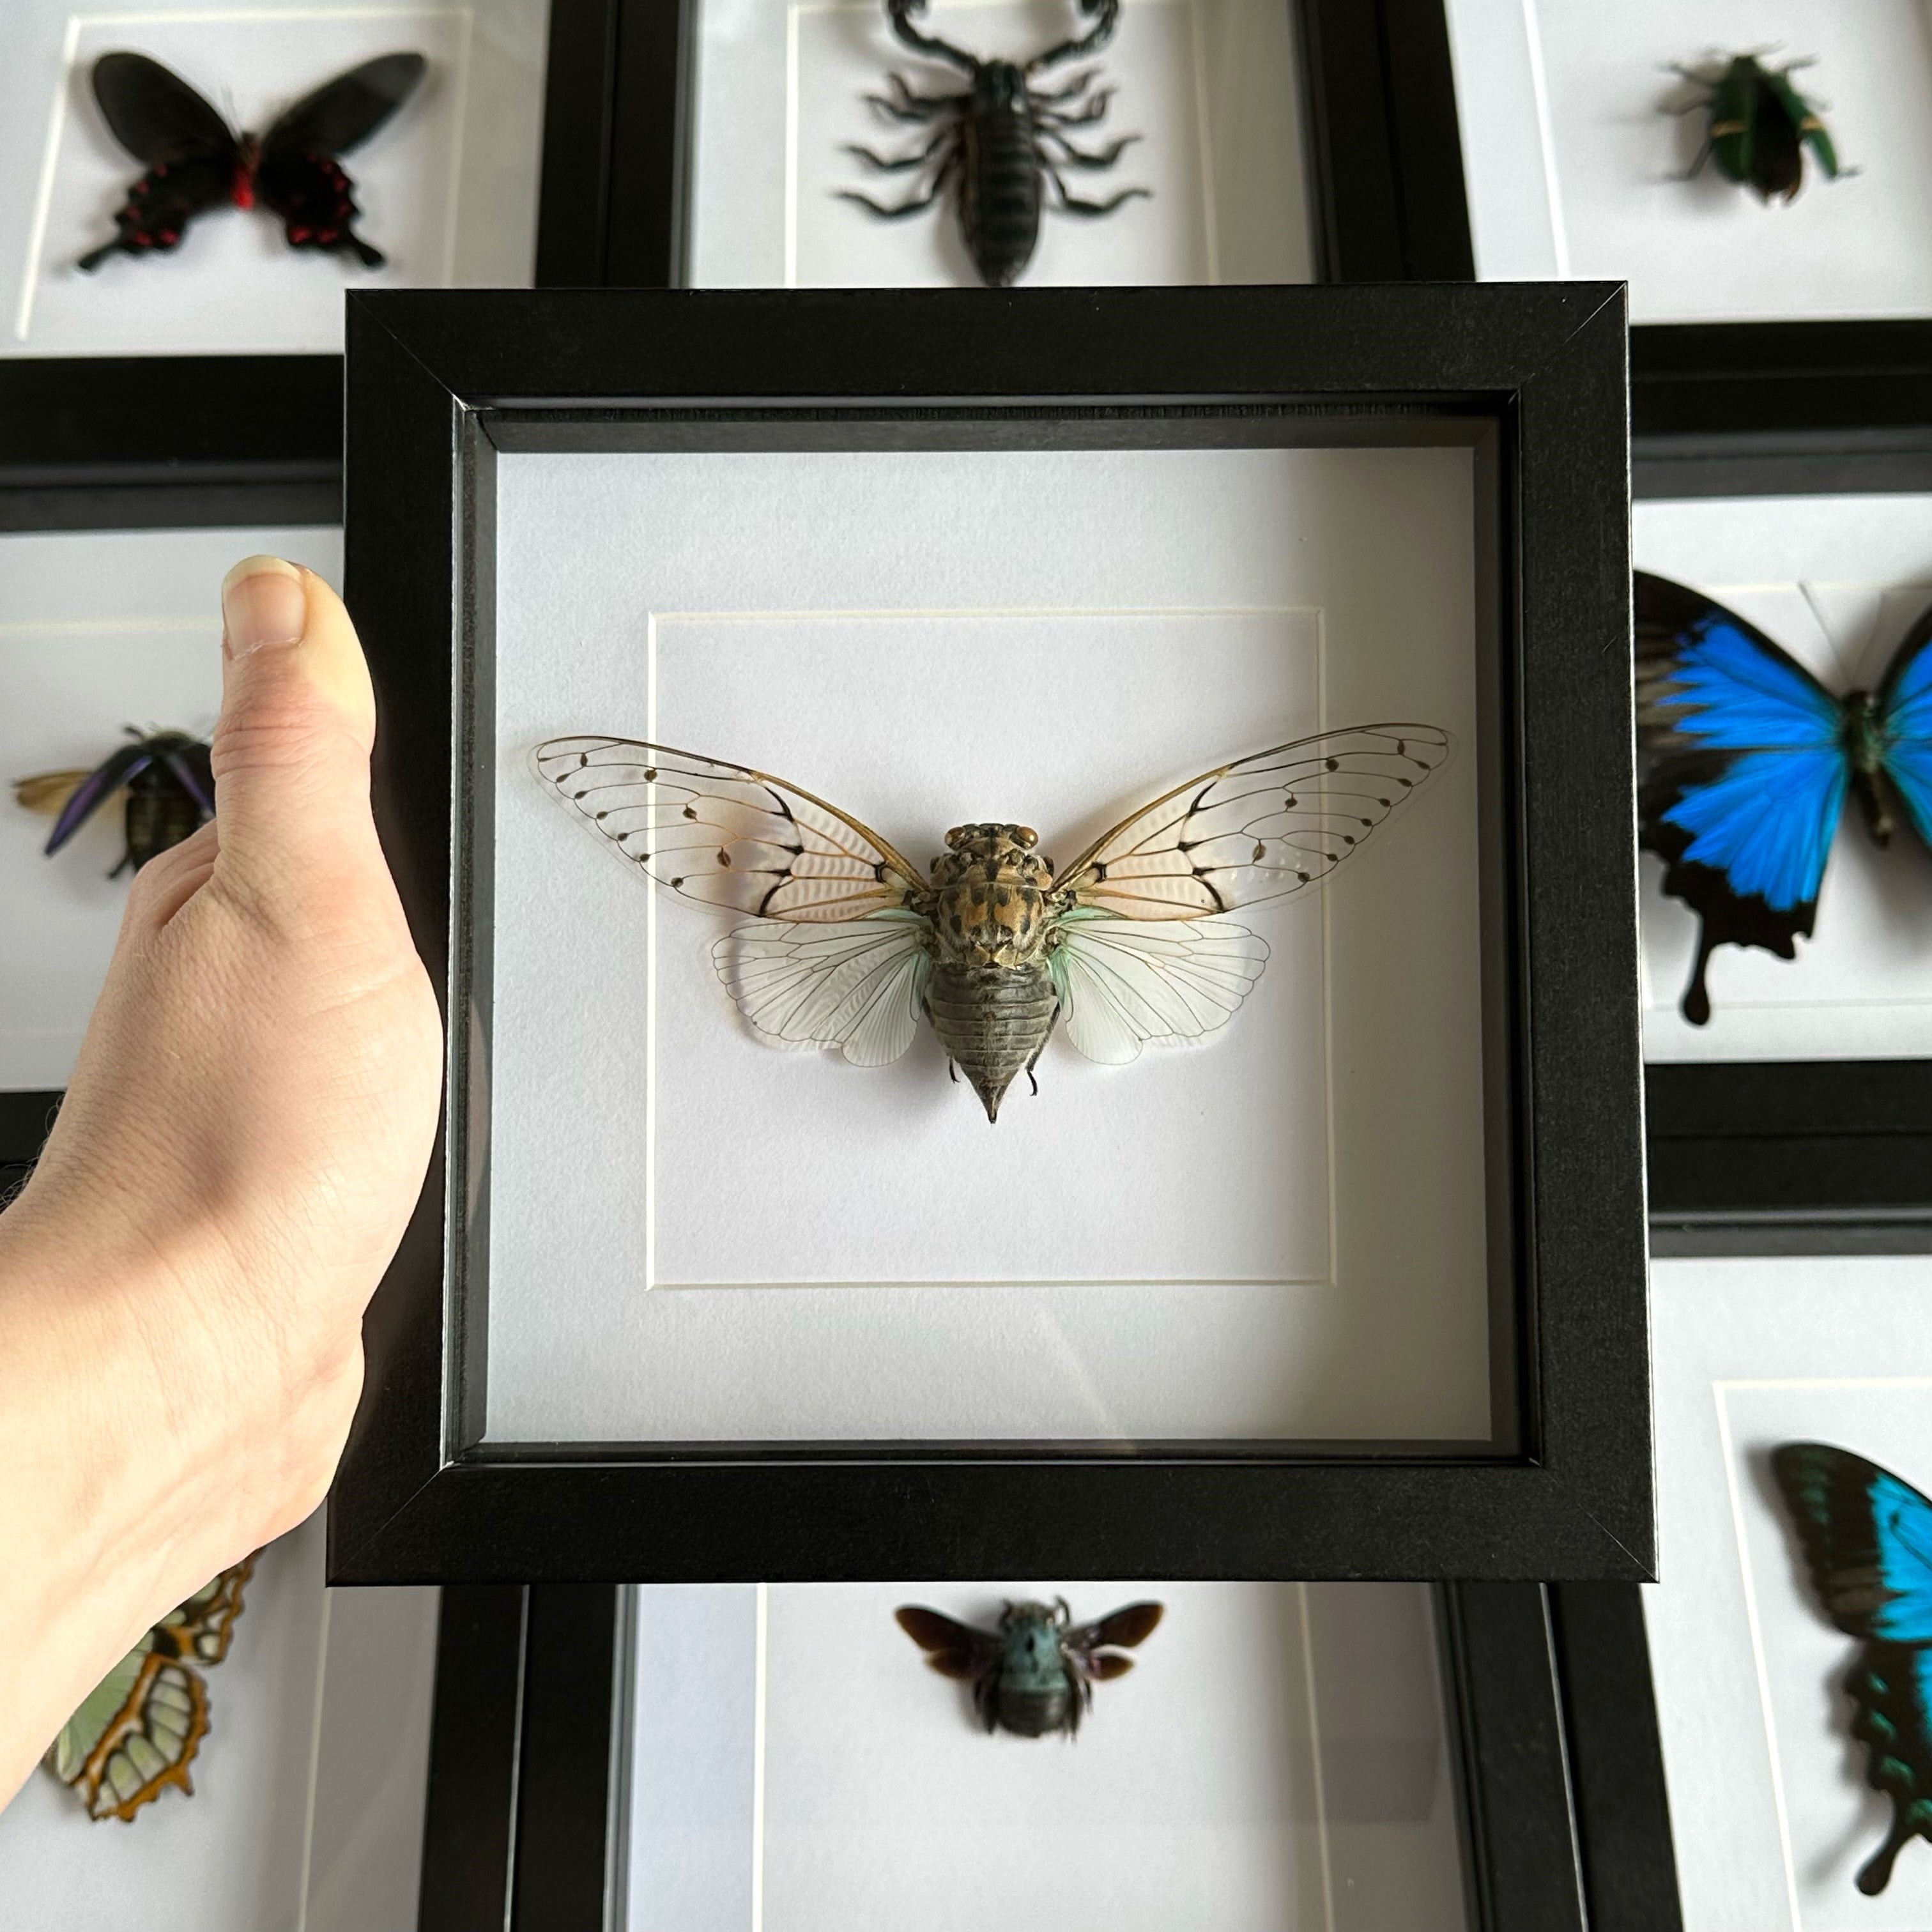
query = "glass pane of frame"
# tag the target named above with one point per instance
(1776, 1747)
(446, 187)
(102, 629)
(1216, 1242)
(306, 1811)
(1277, 1758)
(1577, 136)
(1210, 90)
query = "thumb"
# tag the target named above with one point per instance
(291, 748)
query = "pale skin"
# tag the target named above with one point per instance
(182, 1280)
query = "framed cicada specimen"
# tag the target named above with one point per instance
(1105, 738)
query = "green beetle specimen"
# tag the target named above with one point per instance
(1760, 126)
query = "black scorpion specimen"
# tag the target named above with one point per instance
(1000, 144)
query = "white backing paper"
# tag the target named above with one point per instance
(1836, 581)
(1279, 1233)
(1770, 1810)
(99, 629)
(1569, 155)
(447, 187)
(307, 1810)
(1210, 86)
(1274, 1763)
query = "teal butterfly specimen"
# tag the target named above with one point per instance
(1868, 1538)
(1035, 1673)
(139, 1729)
(1760, 127)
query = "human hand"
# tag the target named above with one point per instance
(182, 1280)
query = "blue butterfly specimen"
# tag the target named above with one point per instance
(1868, 1537)
(1744, 762)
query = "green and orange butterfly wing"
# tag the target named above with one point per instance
(139, 1729)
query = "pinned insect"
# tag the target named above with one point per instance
(1746, 763)
(1001, 145)
(1036, 1673)
(849, 944)
(1759, 127)
(1867, 1536)
(139, 1729)
(170, 790)
(195, 161)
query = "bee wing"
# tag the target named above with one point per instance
(859, 986)
(953, 1649)
(1122, 1630)
(193, 768)
(725, 835)
(100, 785)
(1122, 983)
(47, 792)
(1257, 829)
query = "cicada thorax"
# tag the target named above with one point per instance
(999, 175)
(160, 814)
(990, 997)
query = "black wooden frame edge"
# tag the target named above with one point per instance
(1787, 1156)
(403, 1509)
(525, 1799)
(1387, 198)
(106, 442)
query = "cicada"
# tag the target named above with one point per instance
(848, 944)
(1036, 1673)
(170, 785)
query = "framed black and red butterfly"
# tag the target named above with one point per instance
(195, 161)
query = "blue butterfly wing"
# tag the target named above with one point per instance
(1905, 721)
(1866, 1536)
(1742, 774)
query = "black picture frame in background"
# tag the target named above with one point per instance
(258, 438)
(1547, 1703)
(1531, 378)
(1382, 146)
(1797, 1156)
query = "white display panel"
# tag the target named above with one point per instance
(693, 1237)
(1211, 87)
(309, 1788)
(447, 187)
(1771, 1813)
(1275, 1762)
(1569, 155)
(1836, 581)
(99, 629)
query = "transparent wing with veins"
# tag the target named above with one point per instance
(1258, 828)
(727, 836)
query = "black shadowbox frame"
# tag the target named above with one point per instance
(1532, 380)
(85, 440)
(1786, 1156)
(1551, 1724)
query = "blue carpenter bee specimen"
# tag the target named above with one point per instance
(1036, 1673)
(1760, 126)
(999, 145)
(1867, 1541)
(1745, 762)
(169, 786)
